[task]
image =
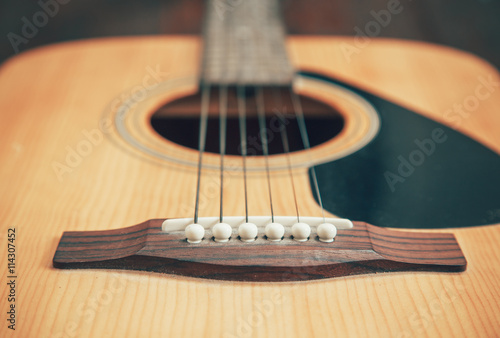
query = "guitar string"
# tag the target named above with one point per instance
(242, 37)
(243, 142)
(299, 113)
(286, 149)
(263, 136)
(242, 124)
(223, 107)
(259, 98)
(205, 99)
(222, 141)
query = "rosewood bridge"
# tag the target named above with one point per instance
(162, 246)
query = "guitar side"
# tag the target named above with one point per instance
(52, 107)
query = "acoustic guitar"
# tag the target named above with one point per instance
(248, 184)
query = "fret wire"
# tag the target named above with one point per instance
(222, 141)
(243, 142)
(205, 99)
(299, 113)
(265, 148)
(286, 148)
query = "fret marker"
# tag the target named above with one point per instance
(247, 232)
(301, 232)
(222, 232)
(274, 232)
(326, 232)
(194, 233)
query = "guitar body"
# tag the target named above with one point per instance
(65, 169)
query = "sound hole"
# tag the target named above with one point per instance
(179, 122)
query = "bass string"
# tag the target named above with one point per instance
(202, 137)
(243, 140)
(259, 100)
(222, 142)
(223, 107)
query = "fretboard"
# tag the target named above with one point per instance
(244, 44)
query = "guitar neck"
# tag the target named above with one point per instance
(244, 44)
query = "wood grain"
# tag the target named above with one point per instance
(360, 250)
(51, 97)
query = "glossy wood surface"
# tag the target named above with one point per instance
(363, 249)
(51, 98)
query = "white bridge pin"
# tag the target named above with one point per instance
(274, 231)
(222, 232)
(194, 233)
(326, 232)
(301, 232)
(247, 232)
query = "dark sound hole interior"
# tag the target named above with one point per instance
(179, 122)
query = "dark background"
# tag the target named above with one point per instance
(472, 25)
